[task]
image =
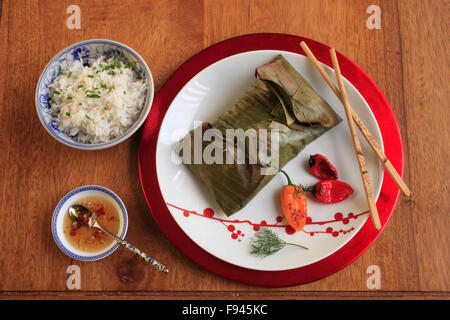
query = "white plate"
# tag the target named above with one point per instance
(213, 91)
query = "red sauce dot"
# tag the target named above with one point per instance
(350, 215)
(230, 228)
(279, 218)
(289, 230)
(335, 234)
(238, 232)
(329, 230)
(338, 216)
(234, 235)
(256, 228)
(345, 220)
(263, 222)
(208, 212)
(308, 220)
(186, 213)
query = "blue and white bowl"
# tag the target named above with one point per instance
(85, 50)
(74, 197)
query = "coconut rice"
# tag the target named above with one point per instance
(98, 101)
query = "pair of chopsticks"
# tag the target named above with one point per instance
(352, 118)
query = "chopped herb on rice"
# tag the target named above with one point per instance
(112, 100)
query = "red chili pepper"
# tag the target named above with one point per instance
(98, 235)
(73, 231)
(321, 168)
(100, 211)
(330, 191)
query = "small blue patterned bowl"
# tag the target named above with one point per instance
(84, 50)
(61, 211)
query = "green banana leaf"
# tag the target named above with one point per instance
(281, 101)
(299, 99)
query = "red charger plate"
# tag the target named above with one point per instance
(387, 199)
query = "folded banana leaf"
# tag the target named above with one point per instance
(280, 100)
(299, 102)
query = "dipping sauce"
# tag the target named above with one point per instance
(88, 239)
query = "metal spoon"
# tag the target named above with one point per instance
(82, 215)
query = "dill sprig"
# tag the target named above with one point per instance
(267, 242)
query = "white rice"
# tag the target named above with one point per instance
(99, 102)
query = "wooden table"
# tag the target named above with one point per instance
(407, 57)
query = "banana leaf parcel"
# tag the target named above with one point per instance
(281, 99)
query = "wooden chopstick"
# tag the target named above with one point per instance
(359, 154)
(375, 147)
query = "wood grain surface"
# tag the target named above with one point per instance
(408, 59)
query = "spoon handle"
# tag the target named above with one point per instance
(135, 250)
(144, 256)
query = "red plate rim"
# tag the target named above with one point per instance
(366, 236)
